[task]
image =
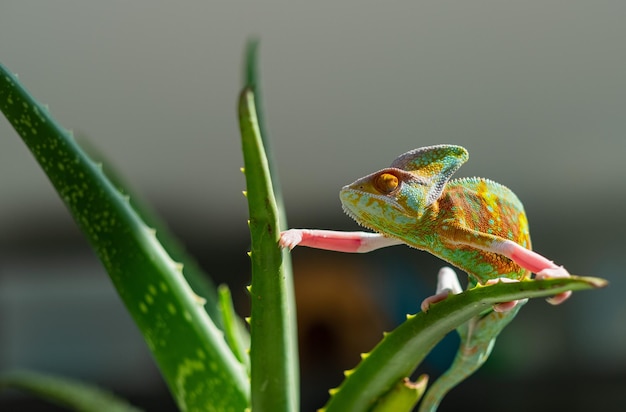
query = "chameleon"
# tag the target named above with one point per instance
(475, 224)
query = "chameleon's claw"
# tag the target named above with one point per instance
(551, 273)
(503, 306)
(447, 283)
(290, 238)
(443, 295)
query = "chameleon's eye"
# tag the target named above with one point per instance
(386, 182)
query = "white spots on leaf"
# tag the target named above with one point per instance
(185, 371)
(171, 308)
(149, 299)
(143, 308)
(213, 366)
(148, 338)
(41, 118)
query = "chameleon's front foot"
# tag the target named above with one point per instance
(290, 238)
(350, 242)
(447, 283)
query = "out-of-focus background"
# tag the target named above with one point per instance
(535, 90)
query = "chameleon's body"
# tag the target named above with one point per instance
(482, 206)
(474, 224)
(466, 210)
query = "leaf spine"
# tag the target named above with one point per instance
(199, 300)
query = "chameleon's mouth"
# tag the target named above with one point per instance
(368, 213)
(352, 215)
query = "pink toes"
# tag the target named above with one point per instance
(447, 283)
(503, 306)
(443, 295)
(290, 238)
(551, 273)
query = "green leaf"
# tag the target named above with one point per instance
(199, 367)
(235, 332)
(199, 281)
(273, 350)
(65, 392)
(478, 337)
(400, 351)
(252, 82)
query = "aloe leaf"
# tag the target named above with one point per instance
(235, 332)
(69, 393)
(199, 281)
(273, 346)
(198, 365)
(252, 81)
(478, 337)
(401, 350)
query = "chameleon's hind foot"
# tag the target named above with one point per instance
(448, 283)
(551, 273)
(534, 262)
(503, 306)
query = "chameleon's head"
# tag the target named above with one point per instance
(389, 201)
(393, 200)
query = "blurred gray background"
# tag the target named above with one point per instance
(535, 90)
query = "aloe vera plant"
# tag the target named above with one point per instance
(194, 335)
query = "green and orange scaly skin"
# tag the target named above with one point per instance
(468, 212)
(487, 207)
